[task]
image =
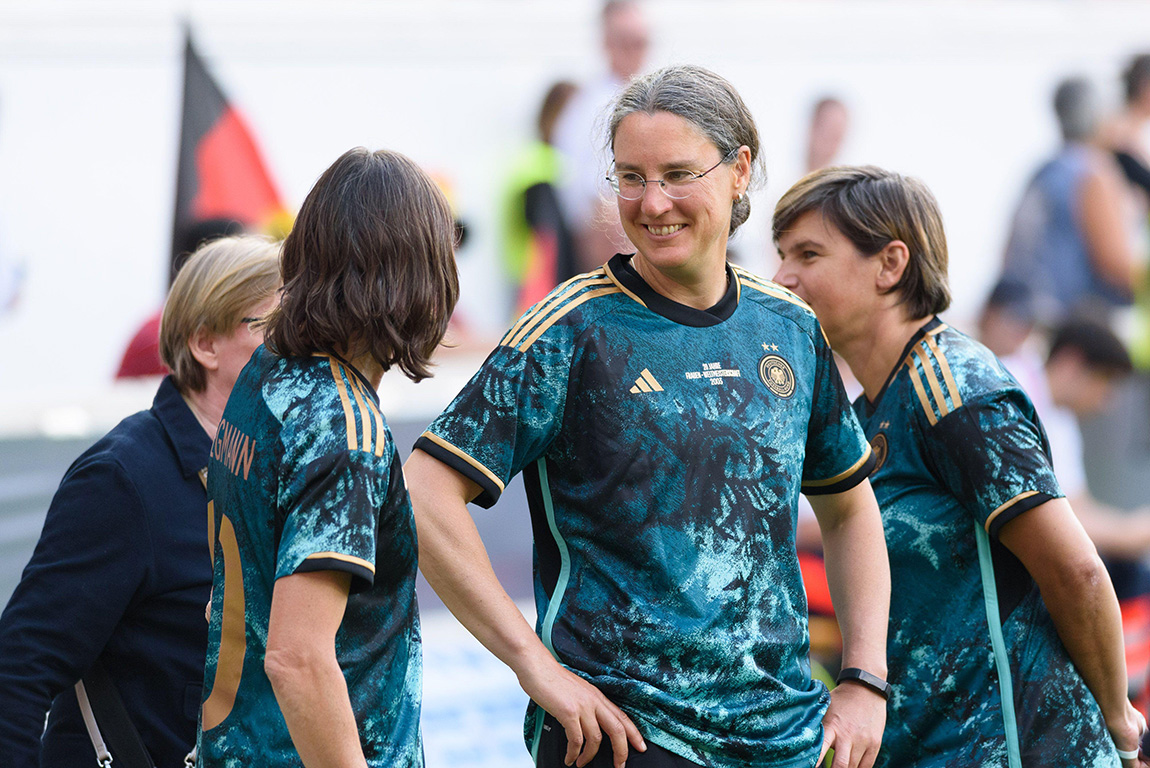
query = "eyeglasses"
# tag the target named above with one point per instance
(676, 184)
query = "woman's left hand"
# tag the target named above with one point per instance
(853, 726)
(1128, 736)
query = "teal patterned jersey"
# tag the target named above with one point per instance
(980, 677)
(663, 450)
(304, 476)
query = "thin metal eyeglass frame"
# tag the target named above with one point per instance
(613, 180)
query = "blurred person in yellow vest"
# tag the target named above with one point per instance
(538, 250)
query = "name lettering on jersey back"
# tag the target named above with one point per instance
(234, 449)
(714, 373)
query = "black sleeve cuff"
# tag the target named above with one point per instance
(846, 481)
(362, 577)
(489, 490)
(1014, 510)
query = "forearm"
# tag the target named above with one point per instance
(1050, 541)
(1085, 612)
(54, 628)
(29, 680)
(312, 694)
(455, 563)
(1107, 243)
(858, 574)
(301, 664)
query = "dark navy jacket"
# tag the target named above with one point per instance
(121, 574)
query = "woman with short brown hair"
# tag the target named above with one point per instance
(1005, 641)
(314, 650)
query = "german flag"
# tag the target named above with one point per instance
(221, 175)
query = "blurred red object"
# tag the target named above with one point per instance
(142, 357)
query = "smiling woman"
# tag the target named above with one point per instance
(688, 132)
(666, 411)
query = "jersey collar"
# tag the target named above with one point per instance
(367, 385)
(929, 326)
(620, 270)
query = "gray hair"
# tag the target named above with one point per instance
(705, 100)
(1076, 105)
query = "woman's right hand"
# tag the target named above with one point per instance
(583, 711)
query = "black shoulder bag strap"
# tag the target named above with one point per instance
(112, 722)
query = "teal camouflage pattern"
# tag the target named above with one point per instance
(961, 452)
(663, 450)
(304, 476)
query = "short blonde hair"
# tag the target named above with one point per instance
(222, 280)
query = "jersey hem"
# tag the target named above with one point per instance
(683, 749)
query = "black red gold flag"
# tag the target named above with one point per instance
(221, 176)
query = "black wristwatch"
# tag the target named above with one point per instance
(874, 682)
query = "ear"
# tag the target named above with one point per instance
(741, 170)
(892, 260)
(202, 345)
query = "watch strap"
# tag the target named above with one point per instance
(874, 682)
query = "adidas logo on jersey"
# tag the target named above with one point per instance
(646, 383)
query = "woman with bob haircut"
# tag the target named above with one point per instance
(116, 588)
(314, 650)
(666, 410)
(1005, 638)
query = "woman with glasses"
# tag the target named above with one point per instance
(666, 410)
(114, 594)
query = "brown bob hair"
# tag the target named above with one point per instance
(872, 207)
(369, 267)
